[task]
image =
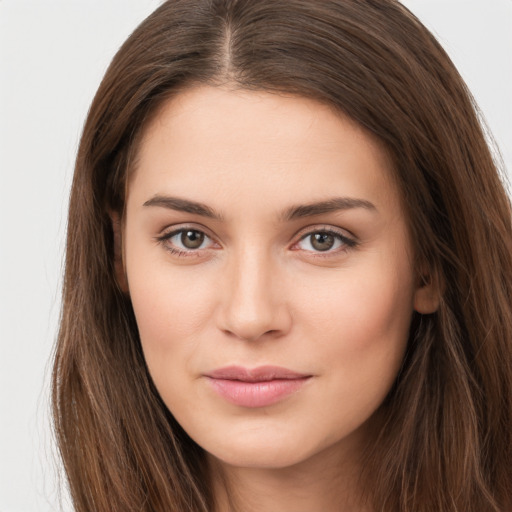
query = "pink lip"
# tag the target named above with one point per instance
(257, 387)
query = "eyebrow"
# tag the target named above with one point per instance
(292, 213)
(331, 205)
(184, 205)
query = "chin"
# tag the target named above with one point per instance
(261, 457)
(272, 449)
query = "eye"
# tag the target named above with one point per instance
(189, 238)
(325, 241)
(185, 240)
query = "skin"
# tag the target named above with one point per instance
(257, 291)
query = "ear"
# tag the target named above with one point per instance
(428, 292)
(119, 267)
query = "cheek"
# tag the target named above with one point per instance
(360, 332)
(171, 317)
(360, 323)
(171, 310)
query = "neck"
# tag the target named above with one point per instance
(319, 483)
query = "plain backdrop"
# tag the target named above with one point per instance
(53, 54)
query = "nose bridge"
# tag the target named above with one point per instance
(254, 304)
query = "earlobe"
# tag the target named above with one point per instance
(427, 295)
(119, 267)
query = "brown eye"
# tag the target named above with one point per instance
(192, 239)
(322, 241)
(326, 241)
(186, 241)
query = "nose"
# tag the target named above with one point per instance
(253, 302)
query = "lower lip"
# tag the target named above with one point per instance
(256, 394)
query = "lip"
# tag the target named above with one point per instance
(256, 387)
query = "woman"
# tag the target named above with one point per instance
(289, 272)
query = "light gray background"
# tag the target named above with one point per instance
(52, 56)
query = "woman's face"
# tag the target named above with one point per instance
(269, 265)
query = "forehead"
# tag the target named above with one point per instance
(221, 144)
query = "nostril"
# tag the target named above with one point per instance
(247, 330)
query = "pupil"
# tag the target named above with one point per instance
(192, 239)
(322, 241)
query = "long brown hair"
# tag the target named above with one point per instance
(444, 441)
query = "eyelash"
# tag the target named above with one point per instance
(346, 242)
(166, 237)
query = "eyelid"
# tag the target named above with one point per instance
(325, 228)
(177, 228)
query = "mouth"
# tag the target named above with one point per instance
(257, 387)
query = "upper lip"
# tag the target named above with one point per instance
(259, 374)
